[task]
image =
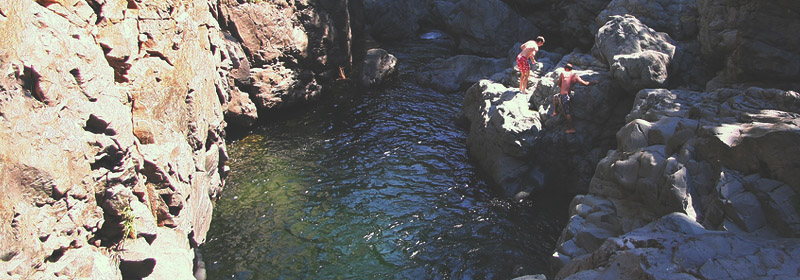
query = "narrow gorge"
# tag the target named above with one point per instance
(388, 139)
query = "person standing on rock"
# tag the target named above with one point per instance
(529, 50)
(565, 81)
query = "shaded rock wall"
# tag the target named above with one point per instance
(484, 28)
(751, 42)
(290, 50)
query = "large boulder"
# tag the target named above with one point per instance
(502, 133)
(639, 56)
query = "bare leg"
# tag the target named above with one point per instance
(555, 109)
(523, 82)
(571, 126)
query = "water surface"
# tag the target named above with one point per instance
(373, 185)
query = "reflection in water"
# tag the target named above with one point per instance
(372, 186)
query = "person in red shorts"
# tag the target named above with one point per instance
(529, 50)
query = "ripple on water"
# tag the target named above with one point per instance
(378, 186)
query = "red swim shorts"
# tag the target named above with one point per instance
(522, 64)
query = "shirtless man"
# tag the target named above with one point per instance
(565, 81)
(529, 50)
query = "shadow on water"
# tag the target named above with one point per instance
(373, 185)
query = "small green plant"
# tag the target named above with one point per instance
(127, 223)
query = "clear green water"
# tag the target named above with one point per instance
(373, 185)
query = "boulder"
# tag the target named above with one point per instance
(639, 56)
(513, 135)
(379, 65)
(241, 111)
(501, 136)
(279, 86)
(647, 69)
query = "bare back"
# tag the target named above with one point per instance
(568, 79)
(566, 82)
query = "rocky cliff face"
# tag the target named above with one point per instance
(113, 117)
(282, 53)
(706, 156)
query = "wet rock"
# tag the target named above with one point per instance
(379, 65)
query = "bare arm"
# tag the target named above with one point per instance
(578, 78)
